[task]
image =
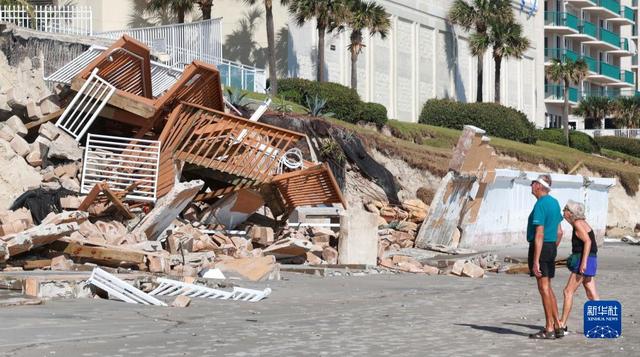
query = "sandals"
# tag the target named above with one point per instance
(561, 332)
(543, 335)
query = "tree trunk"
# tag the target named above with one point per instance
(565, 113)
(356, 42)
(320, 66)
(480, 74)
(271, 48)
(498, 61)
(181, 16)
(206, 11)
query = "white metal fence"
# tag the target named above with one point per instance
(623, 133)
(73, 20)
(201, 40)
(122, 162)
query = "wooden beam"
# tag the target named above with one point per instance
(137, 105)
(44, 119)
(103, 254)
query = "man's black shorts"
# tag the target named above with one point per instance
(547, 259)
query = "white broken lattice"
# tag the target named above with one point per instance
(121, 162)
(121, 290)
(85, 106)
(170, 287)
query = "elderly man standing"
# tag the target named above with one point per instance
(544, 234)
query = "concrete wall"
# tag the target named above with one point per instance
(507, 203)
(423, 58)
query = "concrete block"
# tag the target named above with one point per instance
(33, 111)
(168, 208)
(330, 255)
(261, 235)
(6, 133)
(49, 131)
(234, 209)
(472, 270)
(358, 238)
(34, 158)
(61, 263)
(64, 147)
(457, 268)
(181, 301)
(20, 146)
(253, 269)
(18, 127)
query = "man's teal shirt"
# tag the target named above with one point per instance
(546, 213)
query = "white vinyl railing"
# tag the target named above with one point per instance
(85, 106)
(72, 20)
(202, 41)
(623, 133)
(122, 162)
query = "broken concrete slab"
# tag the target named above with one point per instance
(253, 269)
(20, 146)
(472, 270)
(168, 208)
(64, 147)
(358, 238)
(457, 268)
(49, 131)
(261, 235)
(291, 247)
(181, 301)
(61, 263)
(233, 209)
(34, 237)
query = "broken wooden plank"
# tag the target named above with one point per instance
(44, 119)
(116, 256)
(35, 237)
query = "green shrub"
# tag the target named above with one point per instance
(342, 101)
(577, 140)
(497, 120)
(624, 145)
(373, 113)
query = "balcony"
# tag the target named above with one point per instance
(554, 93)
(586, 32)
(608, 92)
(628, 77)
(606, 41)
(624, 48)
(607, 74)
(561, 23)
(627, 16)
(605, 9)
(582, 3)
(623, 133)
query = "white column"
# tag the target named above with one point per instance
(415, 65)
(393, 73)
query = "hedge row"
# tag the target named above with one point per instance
(623, 145)
(577, 140)
(343, 102)
(497, 120)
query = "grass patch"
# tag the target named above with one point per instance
(620, 157)
(440, 141)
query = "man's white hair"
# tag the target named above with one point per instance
(576, 209)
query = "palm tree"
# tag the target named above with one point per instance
(179, 7)
(271, 42)
(362, 15)
(477, 15)
(568, 72)
(205, 7)
(326, 12)
(597, 108)
(508, 42)
(627, 112)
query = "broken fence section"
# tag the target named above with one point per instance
(122, 162)
(120, 289)
(170, 287)
(85, 106)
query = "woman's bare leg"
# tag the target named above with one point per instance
(572, 285)
(589, 284)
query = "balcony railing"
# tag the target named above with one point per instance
(609, 37)
(556, 92)
(628, 77)
(588, 29)
(611, 5)
(627, 13)
(561, 54)
(561, 19)
(624, 44)
(608, 92)
(609, 70)
(591, 63)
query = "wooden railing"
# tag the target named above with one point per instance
(232, 145)
(313, 186)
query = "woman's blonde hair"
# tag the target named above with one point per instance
(576, 209)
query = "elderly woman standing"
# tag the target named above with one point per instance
(582, 262)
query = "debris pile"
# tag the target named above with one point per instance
(144, 169)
